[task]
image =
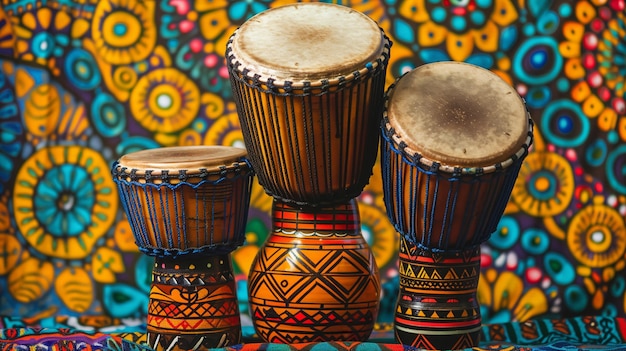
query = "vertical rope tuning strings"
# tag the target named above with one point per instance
(171, 219)
(311, 143)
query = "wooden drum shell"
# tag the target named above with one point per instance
(451, 202)
(187, 210)
(312, 139)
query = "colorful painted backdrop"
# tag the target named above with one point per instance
(84, 81)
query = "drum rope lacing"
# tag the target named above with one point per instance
(266, 97)
(420, 166)
(239, 170)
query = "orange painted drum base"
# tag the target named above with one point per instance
(193, 304)
(315, 278)
(437, 308)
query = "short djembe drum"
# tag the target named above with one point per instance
(309, 96)
(187, 207)
(454, 138)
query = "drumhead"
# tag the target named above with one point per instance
(177, 158)
(306, 42)
(458, 115)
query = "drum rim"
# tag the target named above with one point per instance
(401, 147)
(234, 64)
(236, 164)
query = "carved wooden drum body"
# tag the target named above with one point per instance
(309, 95)
(315, 278)
(188, 207)
(454, 138)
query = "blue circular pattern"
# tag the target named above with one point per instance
(576, 298)
(43, 45)
(64, 199)
(535, 241)
(439, 14)
(81, 70)
(458, 23)
(537, 61)
(108, 115)
(544, 193)
(596, 152)
(564, 122)
(559, 268)
(506, 235)
(538, 96)
(548, 23)
(618, 286)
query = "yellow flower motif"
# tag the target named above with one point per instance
(505, 293)
(39, 37)
(165, 100)
(544, 186)
(124, 32)
(460, 25)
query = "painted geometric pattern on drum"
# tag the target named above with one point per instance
(423, 309)
(290, 276)
(104, 78)
(193, 304)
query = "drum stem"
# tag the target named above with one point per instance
(437, 307)
(193, 304)
(315, 278)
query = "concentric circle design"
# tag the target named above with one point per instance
(165, 100)
(506, 235)
(65, 201)
(596, 153)
(595, 236)
(559, 268)
(108, 115)
(565, 124)
(124, 78)
(576, 299)
(535, 241)
(545, 184)
(124, 31)
(538, 61)
(81, 69)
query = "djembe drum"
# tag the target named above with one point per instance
(187, 207)
(309, 96)
(454, 137)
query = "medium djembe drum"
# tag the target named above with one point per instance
(187, 207)
(454, 138)
(309, 96)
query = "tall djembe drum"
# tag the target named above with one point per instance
(454, 137)
(309, 96)
(187, 207)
